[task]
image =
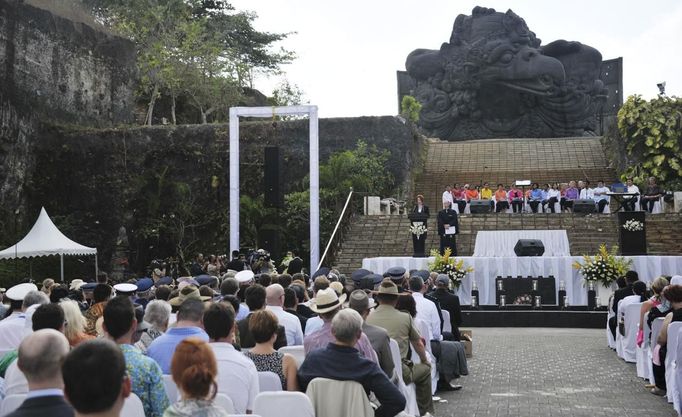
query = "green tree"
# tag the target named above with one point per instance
(652, 131)
(410, 108)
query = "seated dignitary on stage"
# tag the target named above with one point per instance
(570, 195)
(501, 203)
(339, 360)
(401, 328)
(516, 199)
(447, 195)
(378, 337)
(629, 201)
(459, 198)
(652, 193)
(487, 194)
(537, 195)
(40, 359)
(447, 229)
(552, 196)
(599, 196)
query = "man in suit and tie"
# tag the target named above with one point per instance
(40, 359)
(630, 278)
(447, 228)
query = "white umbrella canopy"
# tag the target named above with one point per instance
(44, 239)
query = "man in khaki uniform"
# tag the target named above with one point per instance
(400, 327)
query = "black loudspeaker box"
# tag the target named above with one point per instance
(529, 247)
(479, 206)
(584, 206)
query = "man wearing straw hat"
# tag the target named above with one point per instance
(400, 327)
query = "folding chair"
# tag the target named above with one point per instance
(655, 330)
(296, 351)
(171, 388)
(132, 407)
(357, 404)
(641, 353)
(222, 400)
(447, 326)
(269, 381)
(629, 341)
(283, 404)
(409, 391)
(674, 329)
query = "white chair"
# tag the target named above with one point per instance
(283, 404)
(269, 381)
(355, 400)
(222, 400)
(674, 329)
(447, 326)
(677, 396)
(171, 388)
(655, 330)
(629, 341)
(11, 403)
(641, 352)
(610, 341)
(425, 331)
(409, 391)
(132, 407)
(296, 351)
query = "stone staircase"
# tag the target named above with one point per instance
(372, 236)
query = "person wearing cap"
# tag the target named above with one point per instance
(327, 304)
(144, 291)
(448, 227)
(397, 275)
(378, 337)
(295, 264)
(449, 302)
(274, 299)
(145, 374)
(400, 327)
(189, 324)
(21, 296)
(341, 361)
(125, 288)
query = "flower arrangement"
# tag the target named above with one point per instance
(633, 225)
(418, 229)
(605, 267)
(523, 299)
(455, 269)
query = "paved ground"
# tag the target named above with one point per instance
(549, 372)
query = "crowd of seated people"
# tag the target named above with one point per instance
(662, 302)
(191, 334)
(550, 198)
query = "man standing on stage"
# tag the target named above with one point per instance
(447, 228)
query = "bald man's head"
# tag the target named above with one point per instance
(40, 358)
(274, 295)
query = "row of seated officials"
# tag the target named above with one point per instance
(551, 194)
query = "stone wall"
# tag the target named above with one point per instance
(66, 71)
(92, 181)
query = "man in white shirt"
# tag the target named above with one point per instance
(274, 298)
(600, 197)
(237, 375)
(630, 201)
(426, 309)
(447, 196)
(586, 193)
(12, 329)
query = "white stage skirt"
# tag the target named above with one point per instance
(486, 269)
(502, 242)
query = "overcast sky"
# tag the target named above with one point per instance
(349, 51)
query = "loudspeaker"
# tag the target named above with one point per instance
(584, 206)
(529, 247)
(479, 206)
(272, 177)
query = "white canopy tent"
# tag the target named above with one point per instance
(44, 239)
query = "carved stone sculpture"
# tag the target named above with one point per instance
(493, 79)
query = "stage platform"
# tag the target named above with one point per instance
(486, 269)
(548, 316)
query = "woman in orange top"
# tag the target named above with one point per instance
(501, 202)
(471, 193)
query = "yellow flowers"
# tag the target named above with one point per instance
(604, 267)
